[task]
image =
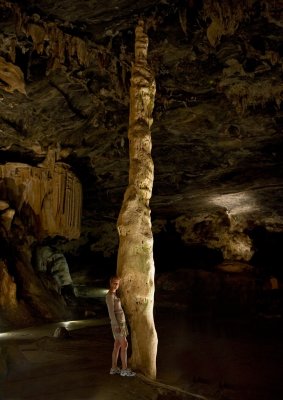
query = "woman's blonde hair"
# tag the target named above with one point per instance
(114, 277)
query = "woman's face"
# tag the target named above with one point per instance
(114, 284)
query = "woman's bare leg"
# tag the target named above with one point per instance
(123, 352)
(115, 353)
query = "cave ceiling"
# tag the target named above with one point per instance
(65, 70)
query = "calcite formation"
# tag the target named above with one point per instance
(55, 264)
(135, 256)
(12, 310)
(8, 298)
(12, 76)
(52, 194)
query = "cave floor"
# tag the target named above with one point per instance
(198, 357)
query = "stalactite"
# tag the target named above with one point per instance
(244, 94)
(225, 17)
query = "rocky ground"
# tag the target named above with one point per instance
(197, 358)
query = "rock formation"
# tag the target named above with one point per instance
(36, 203)
(53, 195)
(135, 256)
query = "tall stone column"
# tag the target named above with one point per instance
(135, 255)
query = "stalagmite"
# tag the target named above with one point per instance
(135, 255)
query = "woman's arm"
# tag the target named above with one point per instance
(110, 306)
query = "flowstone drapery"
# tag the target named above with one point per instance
(135, 256)
(53, 194)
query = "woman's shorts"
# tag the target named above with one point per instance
(123, 331)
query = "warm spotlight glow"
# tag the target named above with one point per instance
(6, 335)
(70, 324)
(102, 291)
(90, 291)
(236, 203)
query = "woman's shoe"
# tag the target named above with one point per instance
(115, 371)
(127, 372)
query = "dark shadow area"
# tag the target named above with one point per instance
(268, 256)
(95, 265)
(231, 358)
(170, 253)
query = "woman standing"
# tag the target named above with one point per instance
(119, 329)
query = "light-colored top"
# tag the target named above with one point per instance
(115, 309)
